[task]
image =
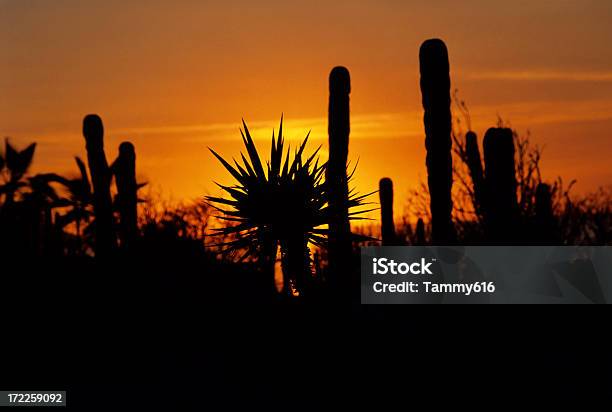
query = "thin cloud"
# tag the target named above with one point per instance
(378, 125)
(543, 75)
(528, 114)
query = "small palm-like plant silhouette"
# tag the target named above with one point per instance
(80, 198)
(79, 201)
(15, 163)
(283, 205)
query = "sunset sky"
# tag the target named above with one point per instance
(177, 76)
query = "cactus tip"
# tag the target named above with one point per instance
(433, 54)
(385, 184)
(340, 80)
(433, 45)
(126, 148)
(92, 125)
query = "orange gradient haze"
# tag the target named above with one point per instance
(176, 77)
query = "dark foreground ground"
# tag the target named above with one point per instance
(179, 339)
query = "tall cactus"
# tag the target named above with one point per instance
(420, 233)
(474, 163)
(545, 227)
(435, 90)
(501, 208)
(387, 228)
(336, 176)
(124, 169)
(93, 131)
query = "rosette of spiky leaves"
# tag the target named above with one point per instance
(274, 203)
(278, 203)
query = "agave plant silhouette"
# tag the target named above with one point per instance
(283, 205)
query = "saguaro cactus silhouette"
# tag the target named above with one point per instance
(387, 228)
(474, 163)
(336, 173)
(435, 90)
(93, 131)
(124, 169)
(501, 208)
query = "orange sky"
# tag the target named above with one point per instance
(175, 77)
